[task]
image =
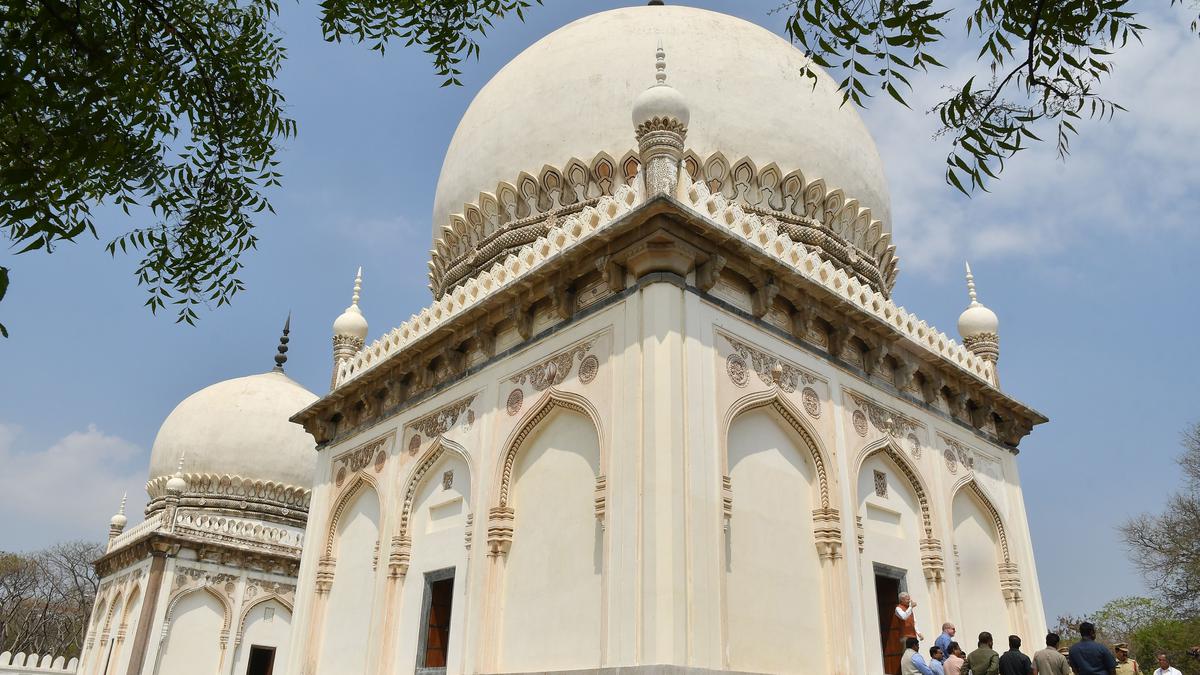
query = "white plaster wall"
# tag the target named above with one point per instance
(192, 644)
(981, 602)
(773, 616)
(552, 582)
(263, 631)
(347, 623)
(128, 619)
(893, 530)
(437, 525)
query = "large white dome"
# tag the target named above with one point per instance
(570, 95)
(239, 427)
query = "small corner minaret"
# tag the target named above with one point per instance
(349, 331)
(979, 329)
(117, 525)
(660, 121)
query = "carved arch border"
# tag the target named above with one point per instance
(169, 617)
(268, 597)
(553, 398)
(772, 398)
(118, 596)
(887, 445)
(344, 498)
(976, 490)
(428, 460)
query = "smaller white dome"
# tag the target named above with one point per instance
(977, 320)
(351, 323)
(661, 99)
(118, 520)
(176, 484)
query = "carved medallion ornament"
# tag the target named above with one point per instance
(588, 368)
(888, 422)
(414, 444)
(914, 446)
(771, 369)
(956, 453)
(951, 460)
(738, 371)
(353, 461)
(439, 422)
(554, 370)
(860, 423)
(812, 402)
(516, 399)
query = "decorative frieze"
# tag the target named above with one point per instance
(372, 453)
(554, 370)
(439, 422)
(956, 454)
(885, 420)
(771, 370)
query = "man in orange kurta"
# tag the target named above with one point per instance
(903, 626)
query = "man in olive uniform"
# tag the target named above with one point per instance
(1125, 665)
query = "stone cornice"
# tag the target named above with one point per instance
(414, 359)
(236, 553)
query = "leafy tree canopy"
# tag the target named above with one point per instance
(168, 108)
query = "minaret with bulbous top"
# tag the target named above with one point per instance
(660, 120)
(979, 329)
(117, 525)
(349, 331)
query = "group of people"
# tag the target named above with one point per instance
(947, 657)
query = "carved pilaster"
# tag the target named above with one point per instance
(500, 530)
(827, 532)
(325, 567)
(726, 500)
(399, 557)
(601, 498)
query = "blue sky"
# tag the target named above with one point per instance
(1090, 265)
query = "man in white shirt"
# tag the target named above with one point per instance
(1164, 666)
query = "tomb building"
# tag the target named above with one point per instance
(662, 410)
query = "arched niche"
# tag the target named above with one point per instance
(435, 514)
(195, 622)
(126, 624)
(776, 479)
(265, 622)
(352, 551)
(900, 551)
(981, 551)
(551, 605)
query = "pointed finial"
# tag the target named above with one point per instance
(971, 285)
(124, 496)
(281, 356)
(660, 64)
(357, 288)
(179, 469)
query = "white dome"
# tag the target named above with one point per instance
(351, 323)
(571, 95)
(976, 320)
(239, 427)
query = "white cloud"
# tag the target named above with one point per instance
(68, 490)
(1128, 177)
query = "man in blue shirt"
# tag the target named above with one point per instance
(943, 641)
(936, 656)
(1088, 657)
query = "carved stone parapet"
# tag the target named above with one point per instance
(827, 533)
(500, 530)
(325, 569)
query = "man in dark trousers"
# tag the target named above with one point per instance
(985, 660)
(1088, 657)
(1013, 662)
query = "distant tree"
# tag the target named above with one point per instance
(172, 106)
(1176, 638)
(1166, 547)
(46, 598)
(1119, 619)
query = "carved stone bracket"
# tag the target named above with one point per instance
(709, 271)
(500, 530)
(827, 532)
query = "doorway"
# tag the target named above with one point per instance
(262, 660)
(889, 583)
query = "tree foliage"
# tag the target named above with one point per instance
(46, 598)
(1165, 547)
(1177, 638)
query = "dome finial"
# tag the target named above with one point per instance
(357, 287)
(971, 284)
(176, 484)
(980, 328)
(117, 524)
(352, 323)
(281, 355)
(124, 497)
(660, 64)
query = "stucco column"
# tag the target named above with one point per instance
(499, 539)
(141, 635)
(312, 642)
(835, 590)
(934, 567)
(398, 558)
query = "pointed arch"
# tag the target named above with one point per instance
(179, 595)
(116, 601)
(976, 490)
(345, 498)
(793, 418)
(887, 446)
(268, 597)
(440, 446)
(551, 400)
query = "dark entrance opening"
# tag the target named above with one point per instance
(262, 660)
(433, 648)
(889, 583)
